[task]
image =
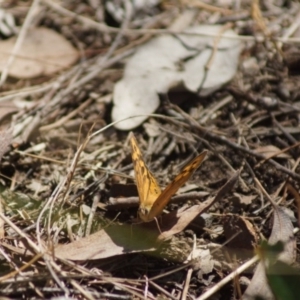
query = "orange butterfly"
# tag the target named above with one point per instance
(152, 199)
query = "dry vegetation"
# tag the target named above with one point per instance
(66, 171)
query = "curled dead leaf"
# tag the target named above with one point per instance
(282, 231)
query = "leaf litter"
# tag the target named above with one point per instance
(123, 239)
(64, 156)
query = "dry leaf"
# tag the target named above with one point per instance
(168, 61)
(282, 231)
(239, 232)
(112, 241)
(43, 52)
(203, 260)
(243, 199)
(271, 151)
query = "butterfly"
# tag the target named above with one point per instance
(152, 199)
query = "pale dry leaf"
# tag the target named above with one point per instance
(243, 199)
(36, 186)
(206, 261)
(271, 151)
(43, 52)
(170, 61)
(202, 259)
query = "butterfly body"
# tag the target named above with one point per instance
(152, 199)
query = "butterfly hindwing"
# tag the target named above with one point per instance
(165, 196)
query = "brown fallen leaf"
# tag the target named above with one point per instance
(44, 52)
(112, 241)
(124, 239)
(239, 232)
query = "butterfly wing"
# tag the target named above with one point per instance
(173, 187)
(147, 185)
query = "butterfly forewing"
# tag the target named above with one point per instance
(173, 187)
(147, 186)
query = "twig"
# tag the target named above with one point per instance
(96, 200)
(187, 283)
(278, 190)
(21, 233)
(39, 250)
(228, 278)
(22, 268)
(170, 296)
(206, 6)
(117, 203)
(66, 118)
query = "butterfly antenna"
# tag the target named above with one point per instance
(157, 223)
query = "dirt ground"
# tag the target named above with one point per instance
(68, 210)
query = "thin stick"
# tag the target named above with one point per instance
(228, 278)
